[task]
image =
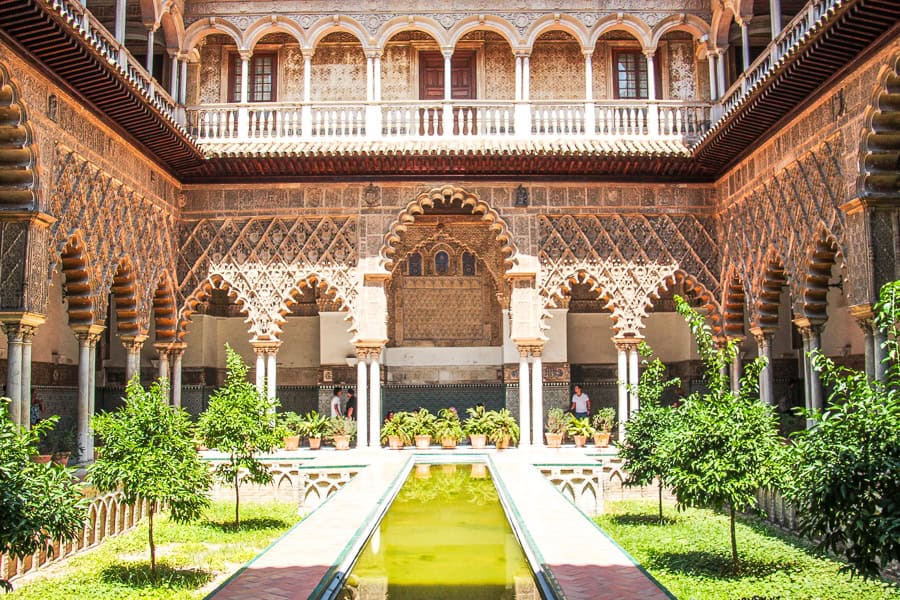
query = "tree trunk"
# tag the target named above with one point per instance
(734, 554)
(237, 500)
(152, 545)
(660, 502)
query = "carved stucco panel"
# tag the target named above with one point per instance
(396, 73)
(499, 72)
(292, 74)
(210, 73)
(557, 70)
(339, 73)
(682, 71)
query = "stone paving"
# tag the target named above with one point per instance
(575, 555)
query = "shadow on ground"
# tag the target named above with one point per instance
(137, 575)
(247, 525)
(714, 565)
(642, 519)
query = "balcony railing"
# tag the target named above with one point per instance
(790, 38)
(85, 23)
(286, 122)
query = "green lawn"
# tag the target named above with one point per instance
(691, 556)
(191, 559)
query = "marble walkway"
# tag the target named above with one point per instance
(578, 560)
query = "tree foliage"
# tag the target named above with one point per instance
(642, 448)
(845, 470)
(240, 423)
(148, 452)
(39, 503)
(723, 446)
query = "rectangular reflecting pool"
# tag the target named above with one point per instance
(444, 537)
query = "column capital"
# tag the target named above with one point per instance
(862, 312)
(807, 326)
(177, 348)
(447, 51)
(761, 335)
(265, 346)
(650, 53)
(245, 54)
(522, 52)
(374, 53)
(133, 342)
(89, 333)
(624, 344)
(23, 324)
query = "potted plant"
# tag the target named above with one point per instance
(503, 428)
(477, 426)
(604, 422)
(291, 427)
(341, 430)
(314, 427)
(60, 445)
(422, 427)
(556, 427)
(447, 428)
(580, 430)
(397, 431)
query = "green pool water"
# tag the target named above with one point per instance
(445, 537)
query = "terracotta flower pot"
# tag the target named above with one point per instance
(395, 443)
(342, 442)
(554, 440)
(423, 442)
(503, 444)
(601, 440)
(41, 458)
(478, 441)
(291, 442)
(580, 440)
(315, 443)
(448, 443)
(62, 458)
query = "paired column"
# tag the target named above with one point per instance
(373, 94)
(537, 395)
(627, 379)
(589, 120)
(525, 399)
(88, 336)
(375, 396)
(306, 109)
(713, 86)
(177, 354)
(243, 111)
(766, 385)
(448, 91)
(523, 83)
(362, 399)
(745, 42)
(720, 73)
(653, 109)
(133, 345)
(736, 371)
(20, 330)
(266, 366)
(164, 372)
(151, 33)
(775, 17)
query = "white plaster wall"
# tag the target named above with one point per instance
(841, 328)
(54, 335)
(300, 342)
(442, 357)
(557, 347)
(202, 341)
(334, 339)
(589, 338)
(234, 332)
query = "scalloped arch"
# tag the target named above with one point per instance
(879, 152)
(821, 256)
(447, 193)
(124, 293)
(769, 285)
(17, 152)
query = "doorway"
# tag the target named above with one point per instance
(431, 87)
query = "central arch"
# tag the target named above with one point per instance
(446, 196)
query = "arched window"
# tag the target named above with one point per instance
(441, 263)
(468, 264)
(415, 264)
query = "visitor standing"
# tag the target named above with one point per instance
(581, 403)
(37, 409)
(336, 402)
(350, 408)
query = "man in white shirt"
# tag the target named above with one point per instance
(581, 403)
(336, 402)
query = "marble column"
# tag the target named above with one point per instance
(816, 393)
(518, 91)
(362, 400)
(537, 396)
(634, 379)
(271, 373)
(775, 17)
(151, 32)
(375, 397)
(173, 79)
(121, 17)
(867, 328)
(88, 336)
(622, 386)
(736, 370)
(745, 43)
(524, 398)
(182, 81)
(260, 370)
(25, 403)
(133, 345)
(879, 353)
(245, 77)
(589, 120)
(713, 87)
(177, 356)
(766, 385)
(720, 73)
(14, 336)
(526, 78)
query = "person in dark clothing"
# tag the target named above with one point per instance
(350, 407)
